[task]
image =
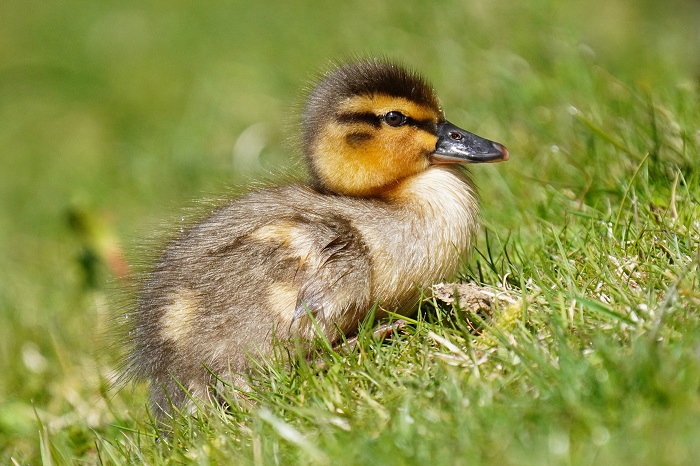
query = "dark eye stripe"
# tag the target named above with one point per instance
(376, 121)
(356, 139)
(368, 118)
(428, 126)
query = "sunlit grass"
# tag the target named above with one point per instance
(115, 117)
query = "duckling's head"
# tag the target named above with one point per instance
(369, 125)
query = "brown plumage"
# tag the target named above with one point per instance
(387, 212)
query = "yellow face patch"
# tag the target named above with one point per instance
(361, 155)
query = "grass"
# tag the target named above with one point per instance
(115, 116)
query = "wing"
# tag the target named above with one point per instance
(333, 278)
(276, 264)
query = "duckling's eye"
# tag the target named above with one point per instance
(395, 119)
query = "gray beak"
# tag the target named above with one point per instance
(455, 145)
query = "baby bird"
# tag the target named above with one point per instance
(389, 211)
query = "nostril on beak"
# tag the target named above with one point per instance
(455, 136)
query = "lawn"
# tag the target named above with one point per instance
(116, 117)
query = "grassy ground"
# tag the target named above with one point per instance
(114, 116)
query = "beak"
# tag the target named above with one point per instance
(455, 145)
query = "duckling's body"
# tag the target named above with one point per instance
(384, 217)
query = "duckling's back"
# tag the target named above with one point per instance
(231, 285)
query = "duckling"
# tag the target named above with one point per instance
(389, 210)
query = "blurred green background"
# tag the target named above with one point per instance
(114, 116)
